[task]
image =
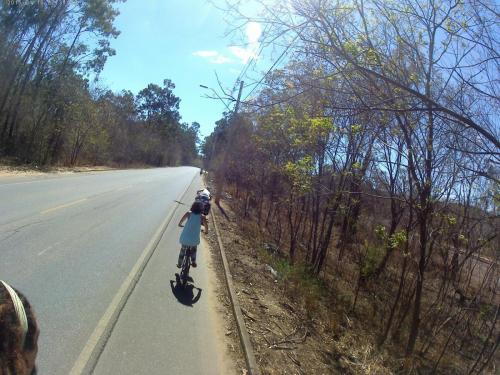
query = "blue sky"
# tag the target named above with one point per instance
(182, 40)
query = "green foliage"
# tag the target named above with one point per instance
(381, 232)
(351, 48)
(398, 239)
(372, 57)
(50, 112)
(283, 267)
(158, 105)
(298, 278)
(450, 220)
(394, 241)
(321, 126)
(356, 129)
(486, 311)
(356, 165)
(404, 149)
(299, 174)
(306, 287)
(372, 257)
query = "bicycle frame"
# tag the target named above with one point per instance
(186, 265)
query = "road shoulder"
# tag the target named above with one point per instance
(162, 327)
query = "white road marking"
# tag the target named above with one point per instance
(80, 200)
(28, 182)
(123, 188)
(63, 206)
(44, 250)
(49, 248)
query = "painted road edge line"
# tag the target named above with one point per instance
(252, 367)
(89, 356)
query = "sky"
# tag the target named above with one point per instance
(182, 40)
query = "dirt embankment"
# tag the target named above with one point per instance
(7, 170)
(292, 332)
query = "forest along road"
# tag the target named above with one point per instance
(68, 242)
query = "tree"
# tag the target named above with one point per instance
(377, 140)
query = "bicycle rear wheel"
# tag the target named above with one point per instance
(186, 264)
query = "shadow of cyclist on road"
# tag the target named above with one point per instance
(185, 295)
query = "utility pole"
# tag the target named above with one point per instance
(239, 97)
(220, 180)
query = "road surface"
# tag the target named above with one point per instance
(69, 241)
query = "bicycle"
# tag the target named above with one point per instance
(186, 265)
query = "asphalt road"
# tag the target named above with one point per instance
(68, 242)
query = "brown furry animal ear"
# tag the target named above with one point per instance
(19, 309)
(11, 361)
(12, 350)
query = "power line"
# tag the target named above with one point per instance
(271, 68)
(252, 59)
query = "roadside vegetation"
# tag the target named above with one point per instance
(53, 109)
(370, 161)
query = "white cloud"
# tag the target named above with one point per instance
(244, 54)
(253, 32)
(213, 57)
(220, 59)
(205, 53)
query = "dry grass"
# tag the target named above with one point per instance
(340, 340)
(297, 324)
